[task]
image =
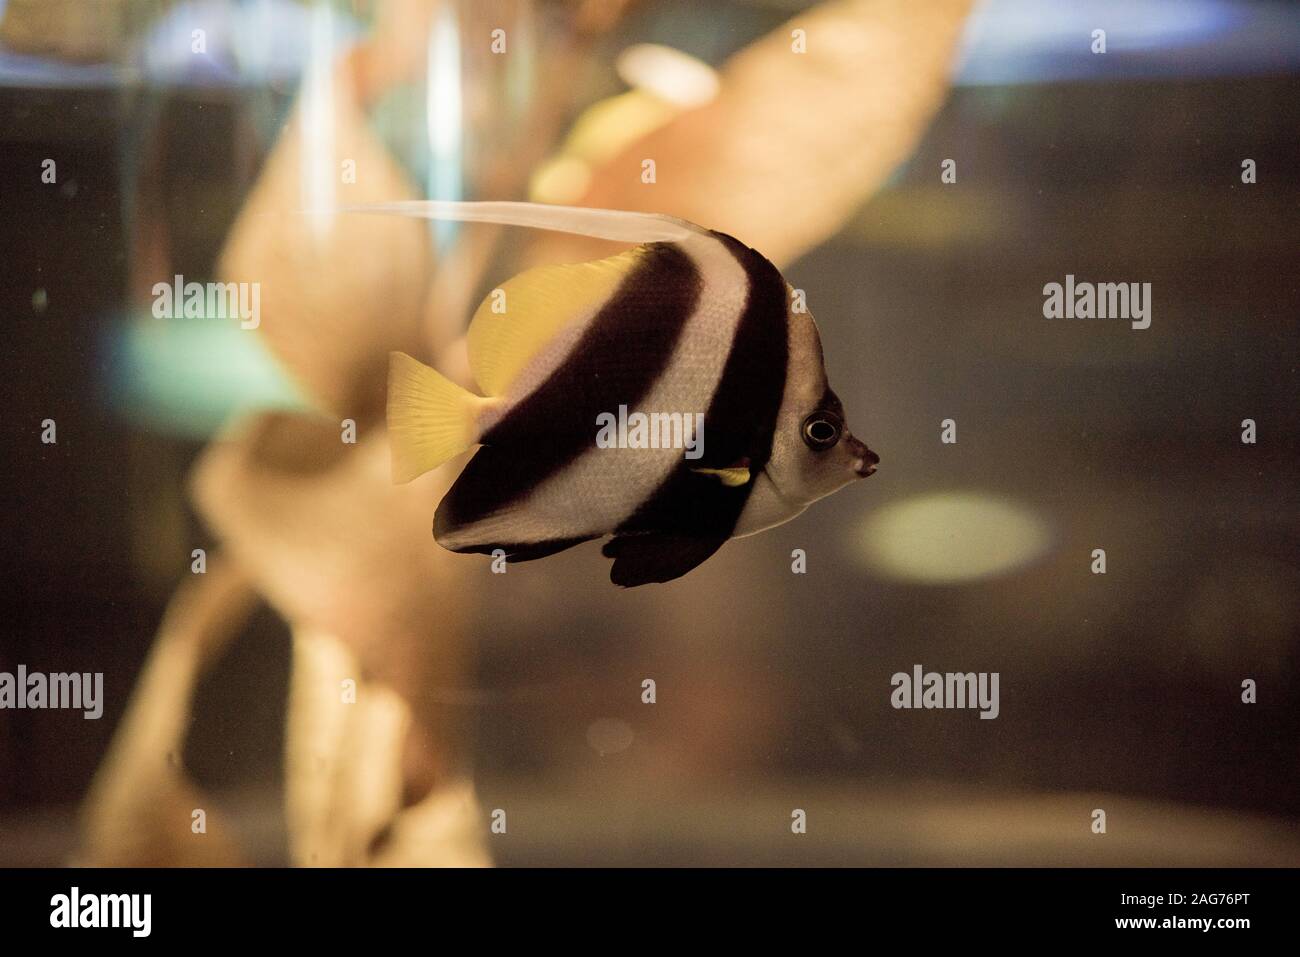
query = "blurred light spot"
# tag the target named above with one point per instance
(187, 377)
(606, 127)
(561, 180)
(669, 74)
(248, 43)
(609, 736)
(951, 537)
(599, 134)
(40, 299)
(1026, 41)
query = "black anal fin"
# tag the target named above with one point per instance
(640, 559)
(528, 553)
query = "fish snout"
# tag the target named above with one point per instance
(864, 460)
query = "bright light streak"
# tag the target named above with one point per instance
(444, 109)
(316, 148)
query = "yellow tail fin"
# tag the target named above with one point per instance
(430, 418)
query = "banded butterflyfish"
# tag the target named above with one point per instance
(686, 322)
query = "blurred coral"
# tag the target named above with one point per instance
(138, 810)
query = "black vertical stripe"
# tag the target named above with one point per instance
(742, 416)
(741, 419)
(621, 355)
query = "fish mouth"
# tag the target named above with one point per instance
(864, 460)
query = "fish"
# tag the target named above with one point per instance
(688, 325)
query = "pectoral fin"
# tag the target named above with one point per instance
(733, 477)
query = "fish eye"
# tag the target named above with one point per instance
(822, 430)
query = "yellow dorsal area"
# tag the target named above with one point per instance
(517, 320)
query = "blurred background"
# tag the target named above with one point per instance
(186, 135)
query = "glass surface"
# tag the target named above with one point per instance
(283, 644)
